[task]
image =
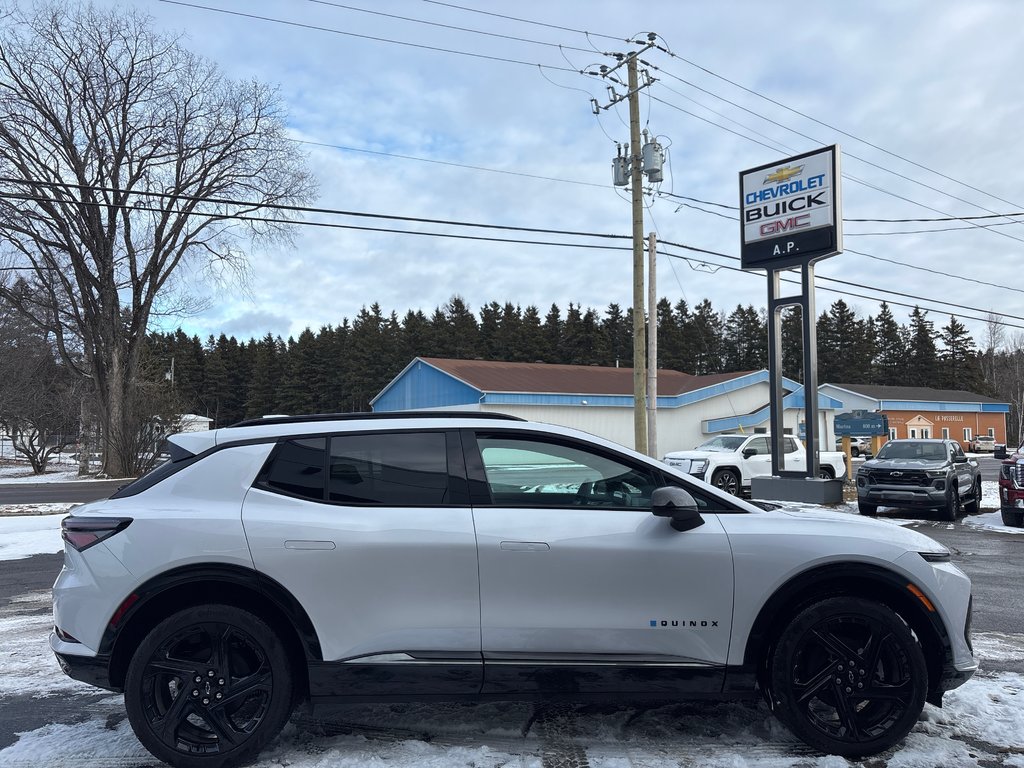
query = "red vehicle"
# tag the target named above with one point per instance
(1011, 489)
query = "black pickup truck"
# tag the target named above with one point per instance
(934, 474)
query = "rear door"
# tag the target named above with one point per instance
(582, 588)
(373, 534)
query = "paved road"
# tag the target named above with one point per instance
(55, 493)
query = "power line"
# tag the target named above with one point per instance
(837, 130)
(317, 28)
(449, 163)
(986, 319)
(846, 153)
(412, 219)
(528, 21)
(448, 26)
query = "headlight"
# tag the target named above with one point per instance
(1004, 471)
(937, 473)
(698, 466)
(935, 557)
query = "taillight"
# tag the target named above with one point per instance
(82, 532)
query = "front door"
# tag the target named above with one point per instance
(582, 588)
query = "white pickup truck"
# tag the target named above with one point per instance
(729, 461)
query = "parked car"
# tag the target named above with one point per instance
(933, 474)
(984, 444)
(453, 555)
(1011, 489)
(730, 461)
(859, 446)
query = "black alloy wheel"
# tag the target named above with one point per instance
(726, 480)
(209, 686)
(848, 677)
(973, 506)
(952, 507)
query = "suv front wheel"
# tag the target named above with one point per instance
(208, 687)
(848, 677)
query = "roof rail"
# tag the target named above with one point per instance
(366, 416)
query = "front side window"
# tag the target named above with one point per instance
(759, 445)
(398, 469)
(525, 472)
(789, 445)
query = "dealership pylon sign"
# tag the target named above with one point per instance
(790, 211)
(790, 217)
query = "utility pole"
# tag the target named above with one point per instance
(636, 181)
(652, 346)
(639, 159)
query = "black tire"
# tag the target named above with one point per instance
(855, 453)
(1012, 518)
(727, 480)
(867, 509)
(973, 506)
(848, 677)
(826, 473)
(952, 507)
(209, 687)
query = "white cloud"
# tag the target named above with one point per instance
(934, 82)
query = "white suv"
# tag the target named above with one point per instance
(455, 555)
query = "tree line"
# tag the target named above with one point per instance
(342, 367)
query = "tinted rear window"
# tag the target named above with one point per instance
(391, 469)
(298, 469)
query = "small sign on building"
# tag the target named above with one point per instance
(790, 211)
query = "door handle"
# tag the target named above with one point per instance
(525, 546)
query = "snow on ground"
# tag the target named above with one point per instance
(981, 724)
(36, 533)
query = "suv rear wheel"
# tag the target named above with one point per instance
(208, 687)
(848, 677)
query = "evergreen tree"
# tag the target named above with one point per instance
(552, 331)
(793, 344)
(532, 335)
(890, 366)
(961, 363)
(744, 340)
(488, 342)
(705, 326)
(670, 337)
(922, 356)
(840, 345)
(262, 397)
(616, 338)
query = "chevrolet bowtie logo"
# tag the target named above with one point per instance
(783, 174)
(895, 474)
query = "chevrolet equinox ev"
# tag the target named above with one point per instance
(430, 555)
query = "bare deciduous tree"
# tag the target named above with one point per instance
(119, 150)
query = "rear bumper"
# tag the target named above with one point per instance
(94, 670)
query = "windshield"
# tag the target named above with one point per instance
(910, 449)
(723, 443)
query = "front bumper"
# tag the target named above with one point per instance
(901, 496)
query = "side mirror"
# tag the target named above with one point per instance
(748, 452)
(677, 504)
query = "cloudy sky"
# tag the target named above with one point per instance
(455, 113)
